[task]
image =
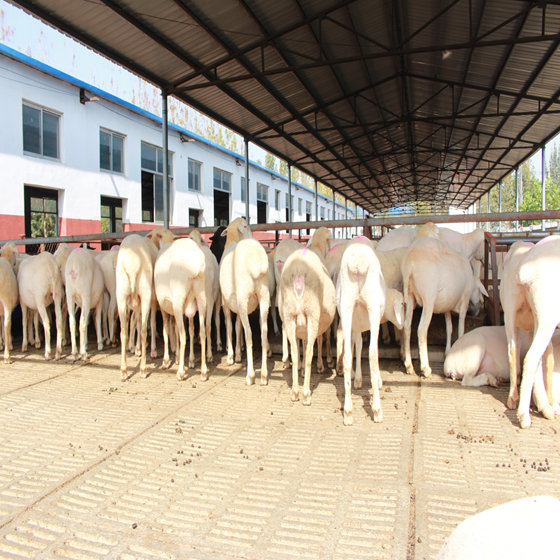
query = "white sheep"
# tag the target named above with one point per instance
(84, 289)
(442, 281)
(213, 300)
(180, 287)
(360, 297)
(244, 286)
(281, 253)
(108, 263)
(307, 306)
(39, 285)
(536, 307)
(8, 301)
(134, 274)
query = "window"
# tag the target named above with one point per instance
(322, 212)
(194, 217)
(40, 131)
(262, 192)
(308, 209)
(222, 180)
(243, 189)
(300, 206)
(111, 218)
(194, 175)
(111, 151)
(277, 200)
(152, 182)
(41, 213)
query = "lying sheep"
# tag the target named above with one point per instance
(180, 287)
(84, 289)
(8, 301)
(360, 297)
(307, 306)
(244, 286)
(39, 285)
(134, 279)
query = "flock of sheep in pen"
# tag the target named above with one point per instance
(363, 283)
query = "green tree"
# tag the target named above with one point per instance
(554, 165)
(270, 161)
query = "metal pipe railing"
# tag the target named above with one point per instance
(367, 222)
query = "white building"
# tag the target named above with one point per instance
(71, 166)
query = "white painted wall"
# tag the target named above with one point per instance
(78, 177)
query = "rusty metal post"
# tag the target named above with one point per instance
(517, 196)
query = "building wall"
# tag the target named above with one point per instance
(77, 176)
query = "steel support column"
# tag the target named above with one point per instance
(290, 195)
(247, 190)
(165, 159)
(543, 186)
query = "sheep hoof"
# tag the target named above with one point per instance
(100, 346)
(320, 368)
(47, 355)
(24, 347)
(348, 421)
(249, 379)
(209, 358)
(138, 353)
(524, 420)
(8, 361)
(166, 364)
(191, 364)
(58, 355)
(237, 358)
(264, 380)
(114, 343)
(153, 354)
(38, 345)
(204, 376)
(306, 400)
(285, 364)
(219, 347)
(295, 395)
(427, 372)
(229, 360)
(330, 363)
(512, 403)
(357, 383)
(410, 370)
(124, 375)
(181, 375)
(492, 381)
(378, 415)
(144, 373)
(548, 412)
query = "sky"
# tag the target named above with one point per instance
(30, 36)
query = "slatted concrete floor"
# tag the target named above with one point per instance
(154, 468)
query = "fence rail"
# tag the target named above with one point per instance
(360, 222)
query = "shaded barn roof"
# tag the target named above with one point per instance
(389, 102)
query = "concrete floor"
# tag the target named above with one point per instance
(91, 467)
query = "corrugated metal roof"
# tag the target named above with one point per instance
(387, 102)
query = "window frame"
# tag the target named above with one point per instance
(113, 135)
(42, 111)
(199, 176)
(29, 192)
(221, 181)
(156, 173)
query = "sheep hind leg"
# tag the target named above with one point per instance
(25, 326)
(202, 317)
(425, 320)
(166, 364)
(98, 317)
(7, 335)
(290, 331)
(531, 371)
(375, 374)
(153, 331)
(406, 338)
(238, 339)
(312, 328)
(229, 344)
(47, 328)
(243, 318)
(320, 364)
(191, 342)
(357, 342)
(36, 329)
(180, 326)
(263, 309)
